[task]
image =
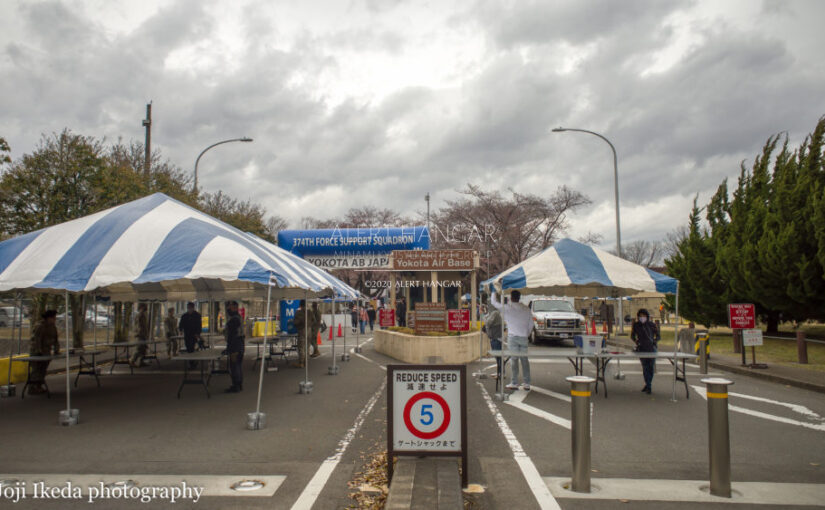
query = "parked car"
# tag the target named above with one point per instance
(10, 315)
(555, 319)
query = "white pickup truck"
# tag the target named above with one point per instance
(555, 319)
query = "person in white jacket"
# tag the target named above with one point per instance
(519, 320)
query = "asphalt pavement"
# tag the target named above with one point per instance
(134, 427)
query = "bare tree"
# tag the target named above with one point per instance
(645, 253)
(672, 239)
(591, 238)
(511, 227)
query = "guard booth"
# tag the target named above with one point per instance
(434, 276)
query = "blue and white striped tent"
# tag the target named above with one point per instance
(157, 248)
(570, 268)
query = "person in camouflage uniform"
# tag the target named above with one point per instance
(170, 326)
(315, 327)
(142, 335)
(301, 323)
(43, 342)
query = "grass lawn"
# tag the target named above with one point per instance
(779, 351)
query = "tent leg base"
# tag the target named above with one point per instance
(345, 357)
(255, 421)
(305, 387)
(333, 370)
(8, 390)
(68, 417)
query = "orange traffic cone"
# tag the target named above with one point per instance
(319, 338)
(340, 333)
(593, 327)
(330, 334)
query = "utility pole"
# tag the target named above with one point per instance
(147, 123)
(427, 198)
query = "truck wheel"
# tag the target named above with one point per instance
(532, 337)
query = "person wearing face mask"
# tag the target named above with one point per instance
(645, 335)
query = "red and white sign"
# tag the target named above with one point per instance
(752, 337)
(386, 318)
(458, 320)
(742, 316)
(426, 409)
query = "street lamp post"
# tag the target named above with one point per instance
(244, 139)
(616, 191)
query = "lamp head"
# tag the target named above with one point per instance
(246, 139)
(559, 130)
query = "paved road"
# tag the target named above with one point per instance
(134, 426)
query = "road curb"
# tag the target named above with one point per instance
(819, 388)
(757, 373)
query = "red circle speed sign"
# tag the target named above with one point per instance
(408, 418)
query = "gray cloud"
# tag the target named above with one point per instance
(679, 129)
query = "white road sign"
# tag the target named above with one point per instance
(751, 337)
(426, 409)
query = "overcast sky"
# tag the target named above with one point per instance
(375, 102)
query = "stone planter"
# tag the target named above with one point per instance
(428, 349)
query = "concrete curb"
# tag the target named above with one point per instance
(757, 373)
(761, 374)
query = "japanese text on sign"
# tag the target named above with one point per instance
(751, 337)
(426, 409)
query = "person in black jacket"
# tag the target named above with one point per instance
(371, 317)
(234, 346)
(646, 336)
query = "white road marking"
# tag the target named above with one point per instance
(549, 393)
(540, 491)
(759, 414)
(352, 351)
(321, 477)
(797, 408)
(754, 493)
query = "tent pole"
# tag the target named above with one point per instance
(675, 344)
(9, 392)
(68, 386)
(333, 370)
(69, 416)
(266, 337)
(305, 386)
(501, 395)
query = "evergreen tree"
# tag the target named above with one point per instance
(701, 292)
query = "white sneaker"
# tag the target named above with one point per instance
(525, 387)
(512, 386)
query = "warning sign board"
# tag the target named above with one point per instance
(741, 316)
(751, 337)
(458, 320)
(427, 411)
(386, 318)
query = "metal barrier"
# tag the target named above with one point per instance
(718, 435)
(580, 389)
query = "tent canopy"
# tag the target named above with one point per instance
(157, 248)
(570, 268)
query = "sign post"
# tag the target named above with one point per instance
(427, 413)
(751, 338)
(742, 320)
(741, 316)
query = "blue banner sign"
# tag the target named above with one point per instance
(288, 308)
(337, 242)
